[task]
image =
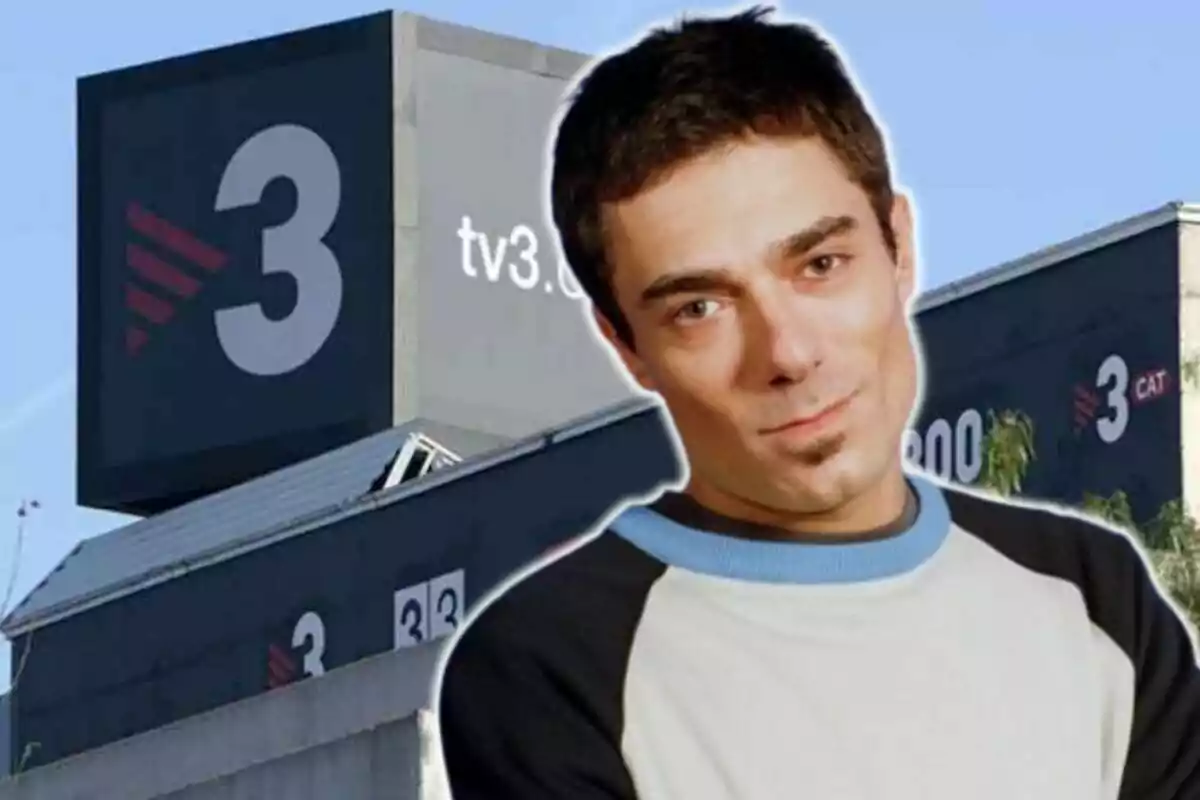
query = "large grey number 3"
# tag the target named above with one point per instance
(1113, 370)
(252, 341)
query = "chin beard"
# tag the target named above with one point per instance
(820, 451)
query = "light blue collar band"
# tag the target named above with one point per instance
(791, 562)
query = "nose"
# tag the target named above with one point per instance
(786, 346)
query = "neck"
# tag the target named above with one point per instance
(877, 507)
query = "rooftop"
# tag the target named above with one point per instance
(159, 547)
(1055, 254)
(282, 504)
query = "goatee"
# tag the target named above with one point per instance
(820, 451)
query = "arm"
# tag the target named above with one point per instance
(515, 726)
(1163, 762)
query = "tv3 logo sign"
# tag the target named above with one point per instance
(1107, 403)
(305, 658)
(424, 612)
(252, 342)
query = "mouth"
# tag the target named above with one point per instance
(812, 421)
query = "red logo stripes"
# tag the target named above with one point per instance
(157, 285)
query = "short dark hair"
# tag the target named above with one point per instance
(682, 91)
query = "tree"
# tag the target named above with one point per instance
(1170, 539)
(1007, 452)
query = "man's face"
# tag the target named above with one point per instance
(770, 315)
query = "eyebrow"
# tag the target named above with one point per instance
(707, 280)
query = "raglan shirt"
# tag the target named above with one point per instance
(986, 651)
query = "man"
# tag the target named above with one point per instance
(804, 619)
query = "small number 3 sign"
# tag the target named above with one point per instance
(428, 611)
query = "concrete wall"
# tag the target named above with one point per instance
(374, 765)
(1189, 352)
(351, 734)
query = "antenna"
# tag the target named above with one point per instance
(418, 456)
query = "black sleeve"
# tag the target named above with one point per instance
(516, 726)
(1163, 762)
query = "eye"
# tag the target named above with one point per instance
(822, 265)
(695, 310)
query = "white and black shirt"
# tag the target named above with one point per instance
(985, 651)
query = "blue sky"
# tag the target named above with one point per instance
(1015, 124)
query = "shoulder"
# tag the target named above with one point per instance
(529, 699)
(1105, 565)
(581, 605)
(595, 579)
(1045, 538)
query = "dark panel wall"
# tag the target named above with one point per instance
(234, 243)
(226, 632)
(1089, 349)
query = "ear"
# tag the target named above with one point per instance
(633, 363)
(904, 231)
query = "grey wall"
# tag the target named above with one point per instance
(1189, 335)
(373, 765)
(353, 728)
(508, 352)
